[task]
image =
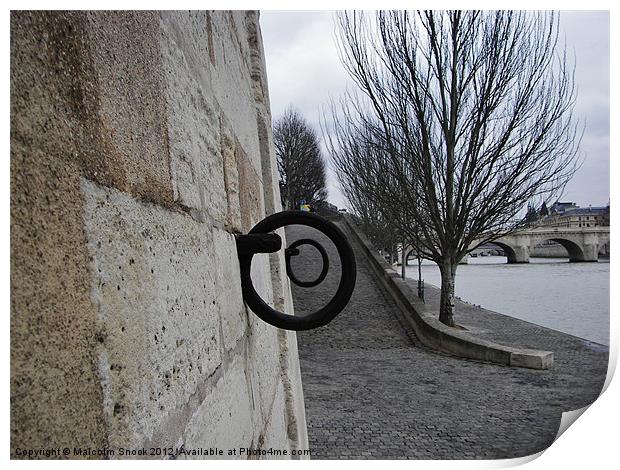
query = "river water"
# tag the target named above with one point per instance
(569, 297)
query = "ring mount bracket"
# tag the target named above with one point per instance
(261, 240)
(258, 243)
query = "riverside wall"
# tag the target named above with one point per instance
(140, 145)
(426, 326)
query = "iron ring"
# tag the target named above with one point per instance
(347, 275)
(289, 270)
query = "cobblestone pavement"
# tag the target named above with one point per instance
(373, 392)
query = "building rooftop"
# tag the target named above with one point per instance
(588, 210)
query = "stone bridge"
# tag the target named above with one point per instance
(581, 243)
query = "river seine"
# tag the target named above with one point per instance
(569, 297)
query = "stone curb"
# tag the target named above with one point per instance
(434, 334)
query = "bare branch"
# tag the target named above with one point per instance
(464, 118)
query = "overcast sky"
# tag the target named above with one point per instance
(303, 70)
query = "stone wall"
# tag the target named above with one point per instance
(140, 144)
(555, 250)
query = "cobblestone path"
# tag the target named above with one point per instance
(372, 391)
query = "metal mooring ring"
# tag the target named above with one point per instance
(292, 251)
(347, 276)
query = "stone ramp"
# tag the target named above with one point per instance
(372, 391)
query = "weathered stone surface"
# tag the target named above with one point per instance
(194, 121)
(250, 194)
(269, 175)
(275, 431)
(223, 420)
(229, 299)
(231, 177)
(263, 357)
(257, 60)
(293, 393)
(231, 78)
(532, 359)
(55, 391)
(155, 282)
(134, 159)
(127, 69)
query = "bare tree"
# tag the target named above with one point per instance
(300, 165)
(471, 116)
(360, 162)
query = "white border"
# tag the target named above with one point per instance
(589, 443)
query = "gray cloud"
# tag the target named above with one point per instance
(304, 71)
(587, 37)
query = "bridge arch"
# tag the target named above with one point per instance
(574, 250)
(508, 251)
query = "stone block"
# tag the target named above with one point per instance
(270, 177)
(532, 359)
(231, 78)
(155, 287)
(224, 419)
(263, 354)
(55, 391)
(229, 299)
(294, 397)
(193, 128)
(275, 430)
(125, 56)
(135, 155)
(257, 55)
(231, 177)
(250, 191)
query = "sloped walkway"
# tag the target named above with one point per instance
(372, 391)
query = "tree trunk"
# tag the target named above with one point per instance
(420, 281)
(403, 264)
(419, 266)
(446, 306)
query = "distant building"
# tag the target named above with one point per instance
(562, 207)
(568, 214)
